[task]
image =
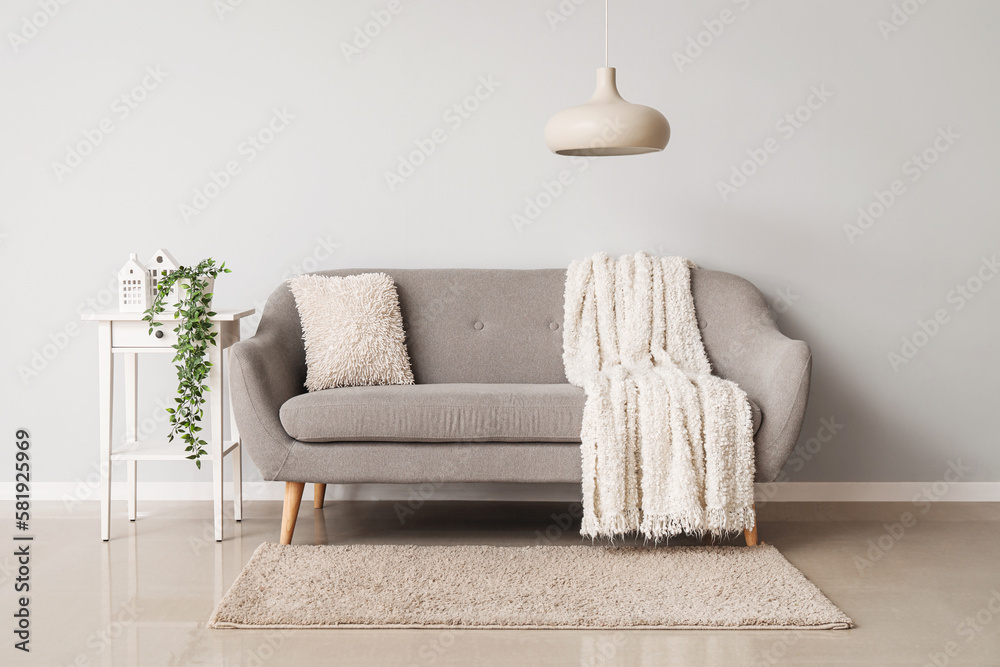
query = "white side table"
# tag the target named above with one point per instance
(128, 334)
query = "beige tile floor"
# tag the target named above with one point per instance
(143, 598)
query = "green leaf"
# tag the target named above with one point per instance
(195, 335)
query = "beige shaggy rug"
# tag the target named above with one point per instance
(392, 586)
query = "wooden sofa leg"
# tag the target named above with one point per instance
(319, 495)
(290, 510)
(751, 535)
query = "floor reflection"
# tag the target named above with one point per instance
(319, 527)
(138, 600)
(144, 598)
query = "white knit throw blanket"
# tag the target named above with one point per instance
(667, 446)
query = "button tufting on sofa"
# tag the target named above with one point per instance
(554, 326)
(478, 326)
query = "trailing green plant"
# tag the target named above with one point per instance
(194, 336)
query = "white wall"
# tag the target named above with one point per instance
(321, 183)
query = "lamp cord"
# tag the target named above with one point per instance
(605, 33)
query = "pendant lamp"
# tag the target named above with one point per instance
(607, 124)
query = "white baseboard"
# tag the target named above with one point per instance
(832, 492)
(69, 492)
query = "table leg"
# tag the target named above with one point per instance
(234, 434)
(106, 372)
(131, 420)
(132, 467)
(237, 482)
(216, 444)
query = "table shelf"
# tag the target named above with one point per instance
(127, 335)
(162, 450)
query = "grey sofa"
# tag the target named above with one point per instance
(491, 403)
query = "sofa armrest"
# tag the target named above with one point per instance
(785, 369)
(744, 345)
(263, 374)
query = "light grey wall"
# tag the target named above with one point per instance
(317, 196)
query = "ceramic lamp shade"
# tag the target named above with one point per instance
(607, 124)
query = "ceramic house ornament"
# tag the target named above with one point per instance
(161, 264)
(135, 290)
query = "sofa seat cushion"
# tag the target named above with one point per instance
(441, 413)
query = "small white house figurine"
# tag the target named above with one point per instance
(161, 264)
(135, 293)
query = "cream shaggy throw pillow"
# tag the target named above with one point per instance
(353, 331)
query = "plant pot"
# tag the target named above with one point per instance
(182, 287)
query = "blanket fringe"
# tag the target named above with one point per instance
(718, 522)
(620, 523)
(663, 527)
(731, 521)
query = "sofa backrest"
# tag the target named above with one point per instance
(505, 325)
